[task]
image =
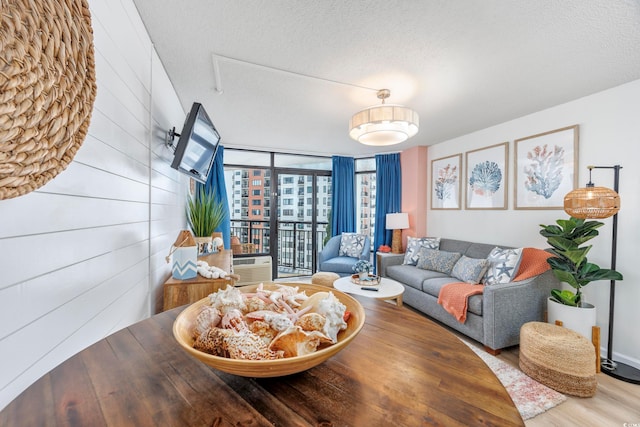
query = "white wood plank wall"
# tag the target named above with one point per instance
(83, 256)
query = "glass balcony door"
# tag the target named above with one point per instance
(303, 200)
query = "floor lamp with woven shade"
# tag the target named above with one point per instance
(596, 203)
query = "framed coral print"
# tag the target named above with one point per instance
(486, 177)
(445, 182)
(546, 168)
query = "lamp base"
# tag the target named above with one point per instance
(396, 242)
(621, 371)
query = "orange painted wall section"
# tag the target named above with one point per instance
(413, 163)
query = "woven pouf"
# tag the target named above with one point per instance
(324, 278)
(558, 358)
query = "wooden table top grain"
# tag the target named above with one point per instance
(402, 369)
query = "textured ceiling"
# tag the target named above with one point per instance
(293, 72)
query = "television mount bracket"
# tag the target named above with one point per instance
(171, 135)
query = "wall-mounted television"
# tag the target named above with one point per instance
(197, 146)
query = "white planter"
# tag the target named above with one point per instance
(579, 319)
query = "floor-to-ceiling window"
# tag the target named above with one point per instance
(279, 205)
(366, 196)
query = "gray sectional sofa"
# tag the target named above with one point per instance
(494, 318)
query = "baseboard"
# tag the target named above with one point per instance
(620, 358)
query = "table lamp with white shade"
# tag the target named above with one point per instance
(397, 222)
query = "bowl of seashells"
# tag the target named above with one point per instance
(270, 329)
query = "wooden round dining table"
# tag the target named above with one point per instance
(402, 369)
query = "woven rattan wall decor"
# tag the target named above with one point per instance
(47, 89)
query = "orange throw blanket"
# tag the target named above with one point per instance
(534, 262)
(454, 297)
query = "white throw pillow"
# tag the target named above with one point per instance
(351, 244)
(504, 265)
(414, 244)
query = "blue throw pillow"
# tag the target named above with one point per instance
(470, 270)
(435, 260)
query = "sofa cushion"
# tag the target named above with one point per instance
(470, 270)
(504, 265)
(433, 285)
(414, 244)
(351, 244)
(435, 260)
(451, 245)
(479, 250)
(411, 276)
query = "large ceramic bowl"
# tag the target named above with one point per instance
(183, 326)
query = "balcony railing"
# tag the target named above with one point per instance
(295, 256)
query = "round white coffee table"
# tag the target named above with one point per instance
(388, 289)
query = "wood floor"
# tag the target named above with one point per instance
(616, 402)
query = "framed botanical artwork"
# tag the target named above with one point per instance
(445, 182)
(486, 177)
(546, 168)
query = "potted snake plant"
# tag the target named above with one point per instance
(204, 215)
(570, 265)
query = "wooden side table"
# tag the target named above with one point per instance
(181, 292)
(380, 256)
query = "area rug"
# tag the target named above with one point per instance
(530, 397)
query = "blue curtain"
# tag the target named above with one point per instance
(343, 195)
(388, 195)
(215, 183)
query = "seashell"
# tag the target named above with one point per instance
(314, 300)
(208, 318)
(249, 346)
(228, 299)
(255, 304)
(311, 322)
(234, 320)
(278, 321)
(296, 342)
(212, 341)
(329, 306)
(263, 330)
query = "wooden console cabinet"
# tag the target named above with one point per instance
(181, 292)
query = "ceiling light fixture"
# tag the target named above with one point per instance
(384, 124)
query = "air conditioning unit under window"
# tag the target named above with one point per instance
(252, 270)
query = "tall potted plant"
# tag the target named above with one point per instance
(204, 215)
(570, 265)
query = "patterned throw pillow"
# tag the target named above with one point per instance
(504, 265)
(435, 260)
(470, 270)
(414, 244)
(351, 244)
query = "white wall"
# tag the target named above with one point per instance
(609, 135)
(83, 256)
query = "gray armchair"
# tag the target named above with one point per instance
(329, 258)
